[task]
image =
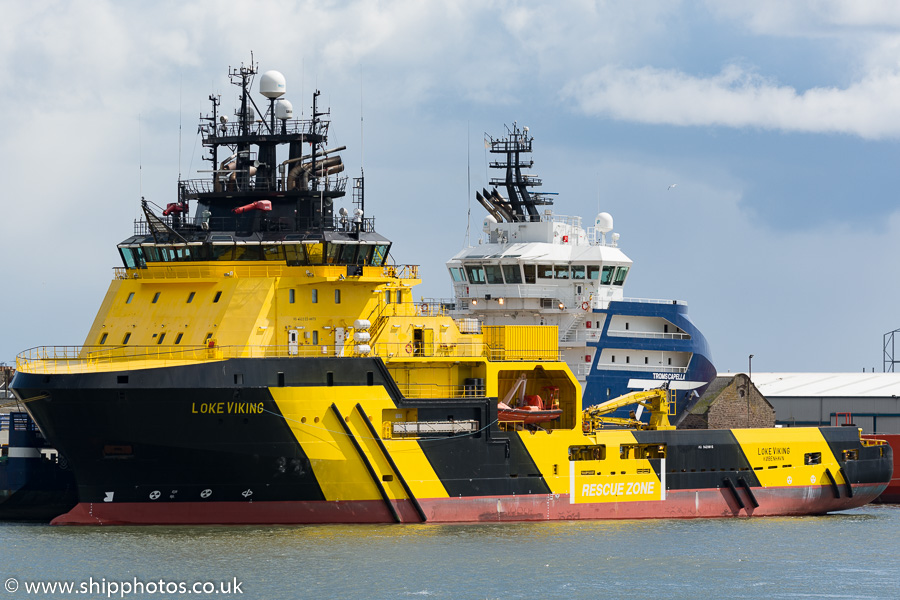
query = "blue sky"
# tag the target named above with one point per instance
(779, 121)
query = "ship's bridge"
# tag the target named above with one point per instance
(347, 243)
(563, 274)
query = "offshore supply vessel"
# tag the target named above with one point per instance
(35, 485)
(534, 267)
(260, 360)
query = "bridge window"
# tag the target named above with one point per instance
(217, 296)
(248, 253)
(126, 338)
(294, 254)
(130, 298)
(457, 274)
(151, 254)
(593, 272)
(475, 274)
(562, 271)
(103, 338)
(332, 252)
(155, 297)
(274, 252)
(621, 273)
(314, 253)
(178, 338)
(607, 276)
(545, 271)
(493, 273)
(222, 252)
(380, 255)
(191, 297)
(578, 272)
(512, 274)
(529, 271)
(132, 257)
(161, 337)
(348, 254)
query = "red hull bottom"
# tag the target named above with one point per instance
(707, 503)
(891, 495)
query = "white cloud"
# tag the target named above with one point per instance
(737, 97)
(810, 18)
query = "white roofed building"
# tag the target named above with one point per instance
(869, 400)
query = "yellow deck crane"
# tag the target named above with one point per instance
(655, 400)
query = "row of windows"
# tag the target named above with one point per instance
(323, 253)
(314, 338)
(160, 338)
(513, 274)
(314, 297)
(292, 295)
(628, 360)
(626, 451)
(190, 297)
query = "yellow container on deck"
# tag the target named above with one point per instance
(522, 342)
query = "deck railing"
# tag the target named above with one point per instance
(207, 271)
(654, 335)
(83, 359)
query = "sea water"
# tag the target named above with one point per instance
(853, 554)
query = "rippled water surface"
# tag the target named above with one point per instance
(847, 555)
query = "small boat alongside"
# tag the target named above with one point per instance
(35, 482)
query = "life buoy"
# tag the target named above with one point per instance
(585, 306)
(424, 307)
(409, 347)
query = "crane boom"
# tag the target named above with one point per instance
(655, 400)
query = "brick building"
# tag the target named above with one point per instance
(730, 402)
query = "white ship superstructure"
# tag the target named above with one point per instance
(532, 266)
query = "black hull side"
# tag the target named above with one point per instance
(142, 433)
(143, 438)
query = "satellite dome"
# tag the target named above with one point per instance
(284, 110)
(272, 84)
(487, 223)
(604, 222)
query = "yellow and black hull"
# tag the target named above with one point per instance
(319, 440)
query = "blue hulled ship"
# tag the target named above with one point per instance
(532, 266)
